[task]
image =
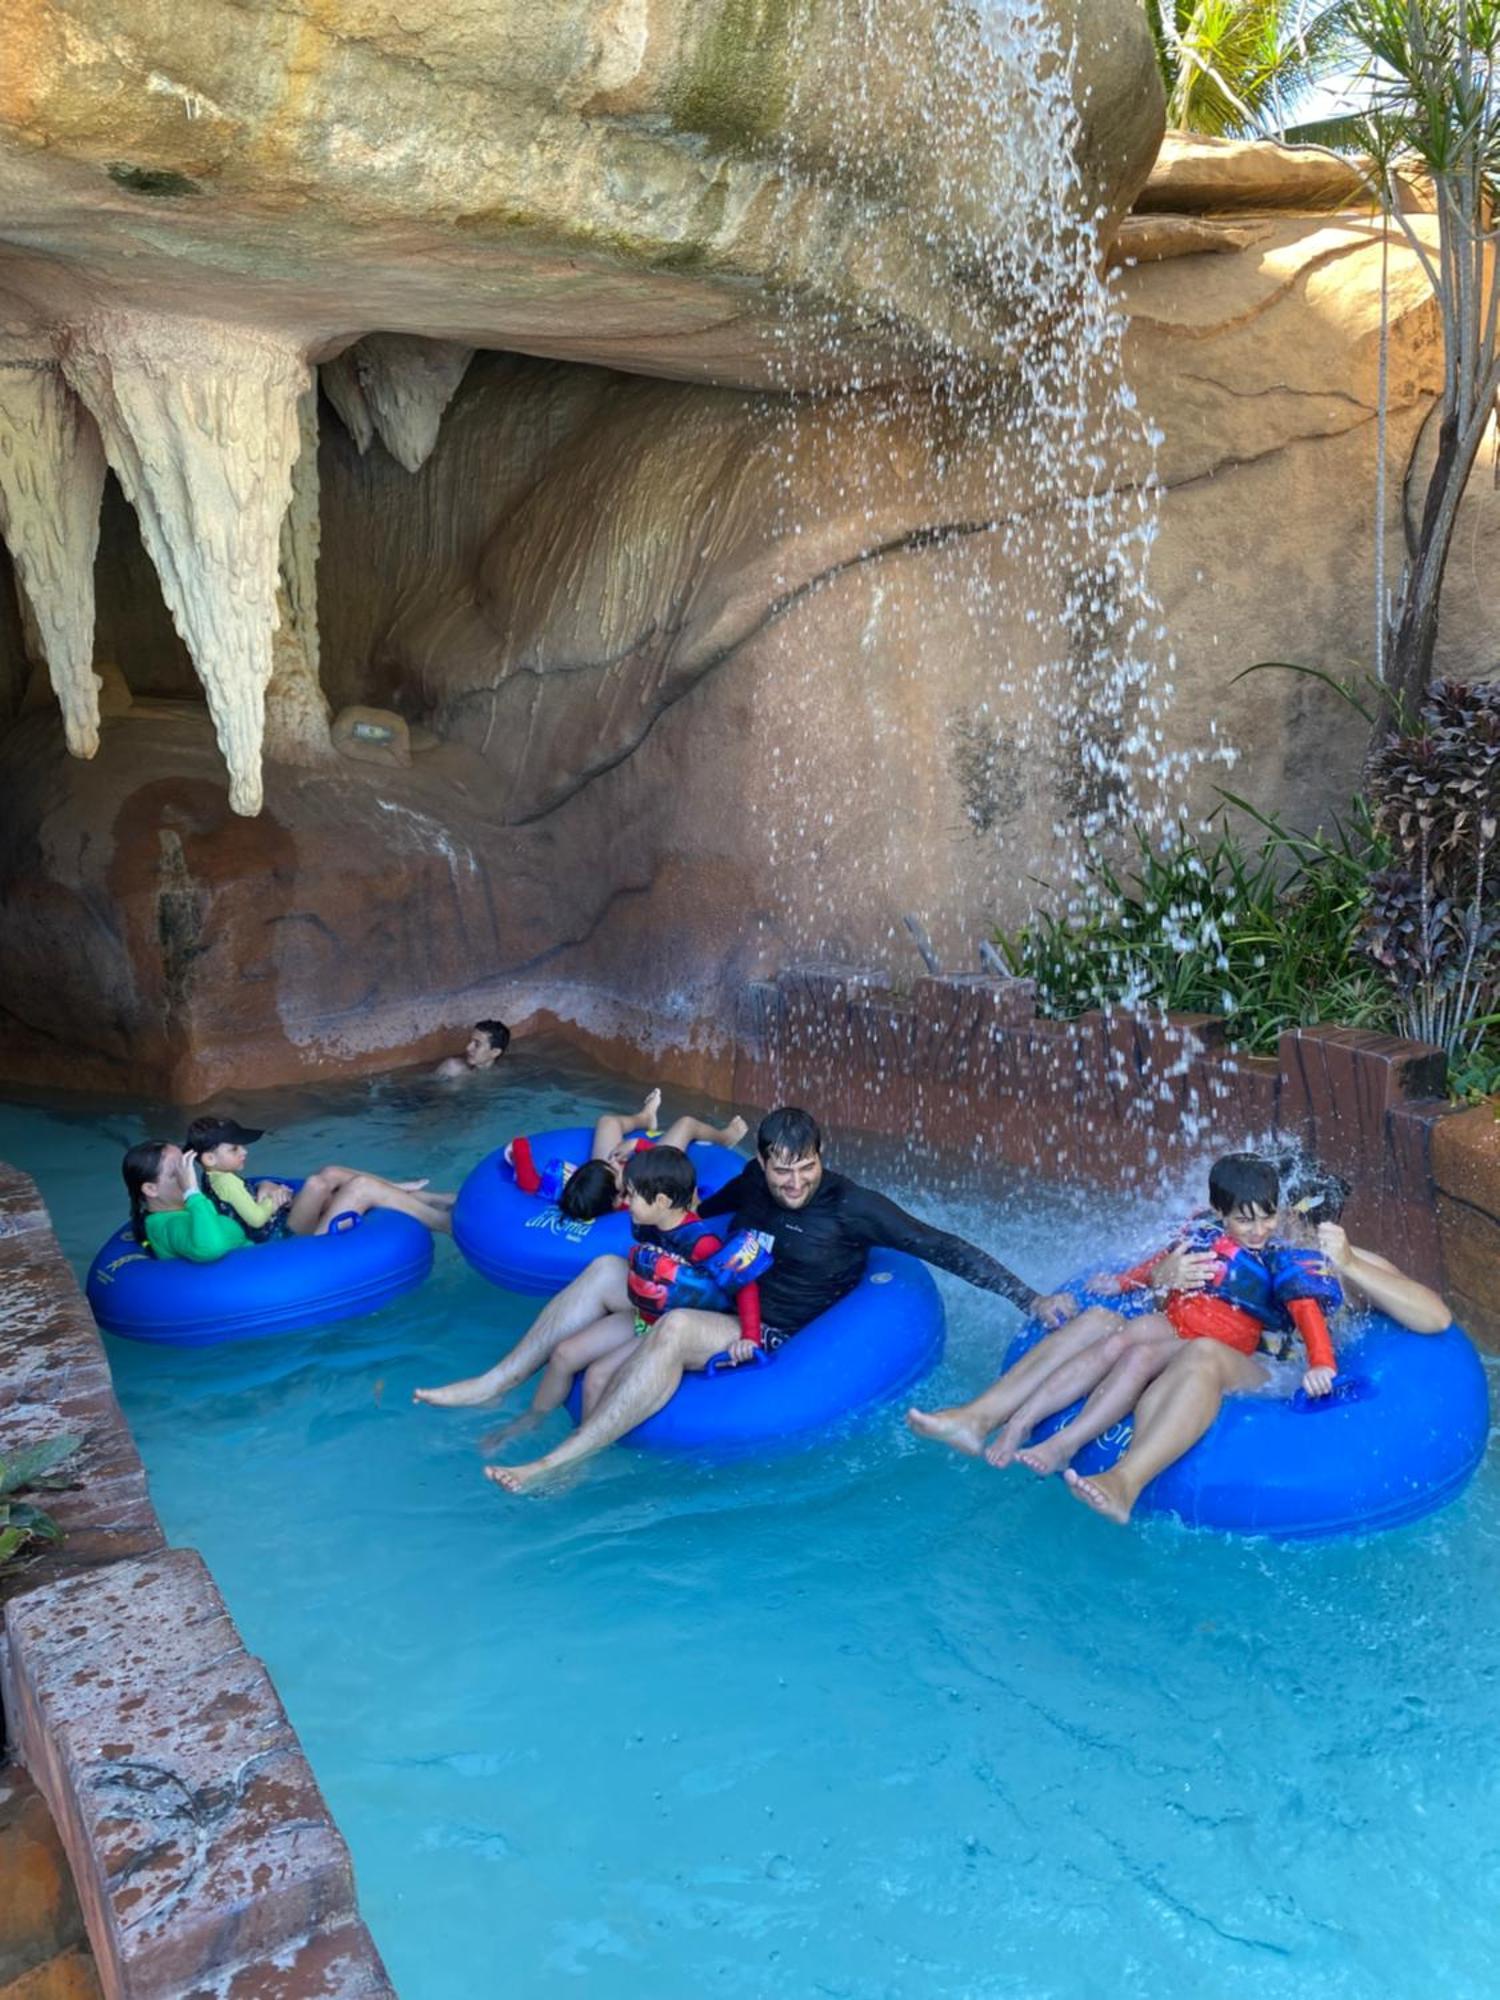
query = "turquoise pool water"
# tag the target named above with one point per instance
(869, 1722)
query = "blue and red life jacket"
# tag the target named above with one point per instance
(691, 1267)
(1262, 1282)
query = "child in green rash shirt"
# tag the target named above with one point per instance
(170, 1214)
(219, 1144)
(274, 1210)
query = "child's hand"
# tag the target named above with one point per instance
(738, 1351)
(1334, 1244)
(1318, 1381)
(1053, 1308)
(1184, 1271)
(275, 1192)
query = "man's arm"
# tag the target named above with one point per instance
(727, 1200)
(882, 1223)
(1414, 1306)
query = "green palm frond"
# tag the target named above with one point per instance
(1238, 67)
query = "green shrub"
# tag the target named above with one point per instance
(1273, 929)
(36, 1470)
(1265, 931)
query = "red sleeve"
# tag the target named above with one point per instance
(1138, 1277)
(1307, 1317)
(524, 1167)
(705, 1247)
(747, 1306)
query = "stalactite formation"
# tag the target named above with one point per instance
(199, 421)
(51, 483)
(342, 387)
(296, 711)
(407, 384)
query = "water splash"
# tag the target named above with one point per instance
(1038, 518)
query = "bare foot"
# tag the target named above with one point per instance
(1102, 1493)
(950, 1427)
(470, 1394)
(518, 1478)
(1009, 1442)
(1045, 1458)
(652, 1106)
(411, 1187)
(517, 1427)
(734, 1131)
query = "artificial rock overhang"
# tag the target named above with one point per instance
(201, 201)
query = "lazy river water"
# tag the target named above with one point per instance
(869, 1721)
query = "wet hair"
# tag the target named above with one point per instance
(589, 1192)
(1316, 1192)
(498, 1033)
(790, 1132)
(1243, 1180)
(662, 1170)
(141, 1164)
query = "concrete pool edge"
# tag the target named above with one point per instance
(204, 1855)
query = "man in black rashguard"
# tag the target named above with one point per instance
(821, 1227)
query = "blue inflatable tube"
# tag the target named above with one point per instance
(1401, 1435)
(876, 1342)
(264, 1289)
(525, 1244)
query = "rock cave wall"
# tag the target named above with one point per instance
(704, 661)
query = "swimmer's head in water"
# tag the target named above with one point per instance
(1245, 1191)
(487, 1044)
(590, 1192)
(790, 1144)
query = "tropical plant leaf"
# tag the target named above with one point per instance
(12, 1539)
(35, 1522)
(27, 1467)
(1341, 688)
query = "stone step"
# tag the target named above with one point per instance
(69, 1976)
(41, 1928)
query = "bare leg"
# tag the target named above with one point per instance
(362, 1192)
(1077, 1377)
(598, 1378)
(566, 1360)
(312, 1198)
(596, 1291)
(1114, 1398)
(611, 1128)
(686, 1131)
(1173, 1414)
(648, 1380)
(966, 1425)
(322, 1196)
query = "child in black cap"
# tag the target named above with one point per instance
(220, 1144)
(273, 1209)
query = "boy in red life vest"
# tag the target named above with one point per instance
(1224, 1279)
(676, 1260)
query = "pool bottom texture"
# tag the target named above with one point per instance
(868, 1721)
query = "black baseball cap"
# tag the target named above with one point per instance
(206, 1133)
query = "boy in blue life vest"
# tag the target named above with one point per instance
(676, 1260)
(1226, 1277)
